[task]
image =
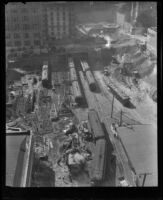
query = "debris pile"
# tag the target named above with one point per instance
(74, 152)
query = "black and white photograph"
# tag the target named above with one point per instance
(81, 94)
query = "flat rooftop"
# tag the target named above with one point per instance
(15, 154)
(141, 146)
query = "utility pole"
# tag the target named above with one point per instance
(112, 106)
(120, 124)
(144, 178)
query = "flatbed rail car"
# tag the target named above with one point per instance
(71, 63)
(123, 98)
(77, 93)
(91, 81)
(73, 75)
(95, 124)
(98, 164)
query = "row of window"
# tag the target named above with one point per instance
(24, 10)
(58, 20)
(24, 18)
(58, 30)
(58, 33)
(23, 27)
(25, 35)
(26, 43)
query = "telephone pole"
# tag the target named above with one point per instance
(112, 106)
(120, 118)
(144, 178)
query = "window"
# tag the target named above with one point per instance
(8, 36)
(25, 18)
(8, 27)
(26, 27)
(17, 43)
(15, 19)
(16, 27)
(35, 26)
(26, 35)
(14, 11)
(7, 19)
(35, 10)
(36, 34)
(36, 42)
(27, 43)
(16, 35)
(8, 43)
(24, 10)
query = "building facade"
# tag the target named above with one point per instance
(60, 20)
(24, 26)
(31, 25)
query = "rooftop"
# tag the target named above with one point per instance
(141, 146)
(15, 159)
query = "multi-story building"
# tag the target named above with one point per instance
(31, 25)
(60, 20)
(24, 26)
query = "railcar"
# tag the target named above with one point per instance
(81, 76)
(98, 164)
(95, 124)
(71, 63)
(91, 81)
(84, 66)
(122, 97)
(77, 93)
(73, 76)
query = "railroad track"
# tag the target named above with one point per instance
(123, 163)
(98, 104)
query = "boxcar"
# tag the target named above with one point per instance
(95, 124)
(91, 81)
(98, 164)
(77, 93)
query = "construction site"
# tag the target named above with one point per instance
(87, 116)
